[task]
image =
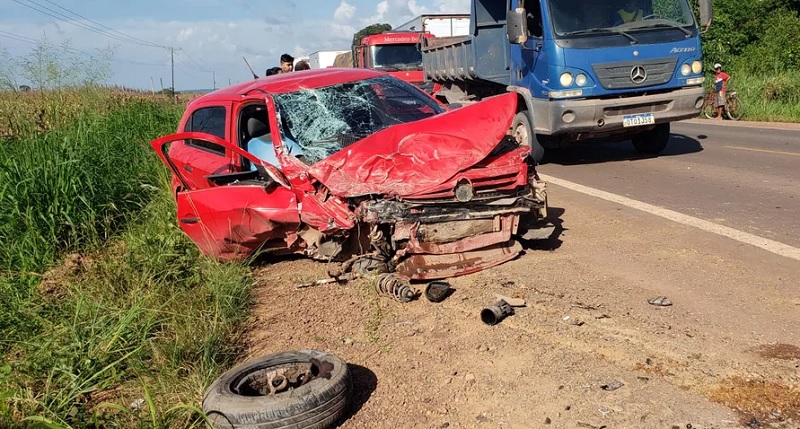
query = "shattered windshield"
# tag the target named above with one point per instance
(322, 121)
(620, 17)
(396, 57)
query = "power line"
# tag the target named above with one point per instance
(62, 17)
(104, 26)
(201, 68)
(114, 59)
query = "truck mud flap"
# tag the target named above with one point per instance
(431, 267)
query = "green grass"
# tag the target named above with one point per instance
(773, 98)
(139, 315)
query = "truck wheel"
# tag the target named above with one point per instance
(523, 133)
(241, 398)
(652, 142)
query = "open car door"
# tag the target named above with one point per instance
(239, 212)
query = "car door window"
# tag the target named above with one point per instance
(210, 120)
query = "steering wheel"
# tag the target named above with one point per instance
(653, 16)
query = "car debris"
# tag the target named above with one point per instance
(392, 285)
(514, 302)
(281, 388)
(359, 166)
(437, 291)
(660, 301)
(612, 385)
(496, 312)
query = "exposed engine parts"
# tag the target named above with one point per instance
(393, 285)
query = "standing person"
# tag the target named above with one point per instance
(287, 63)
(720, 88)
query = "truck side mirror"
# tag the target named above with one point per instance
(706, 13)
(517, 27)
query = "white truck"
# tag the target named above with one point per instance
(323, 59)
(439, 25)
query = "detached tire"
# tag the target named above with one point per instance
(523, 133)
(233, 400)
(652, 142)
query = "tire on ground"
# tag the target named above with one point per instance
(522, 125)
(317, 404)
(653, 141)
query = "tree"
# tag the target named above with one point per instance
(369, 31)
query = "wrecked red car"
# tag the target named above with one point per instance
(355, 166)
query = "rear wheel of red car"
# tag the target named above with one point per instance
(523, 133)
(240, 397)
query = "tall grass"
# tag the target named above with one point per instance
(132, 304)
(773, 97)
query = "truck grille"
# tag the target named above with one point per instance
(635, 74)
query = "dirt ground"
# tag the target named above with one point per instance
(588, 351)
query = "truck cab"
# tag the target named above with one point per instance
(396, 53)
(583, 69)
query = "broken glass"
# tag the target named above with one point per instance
(323, 121)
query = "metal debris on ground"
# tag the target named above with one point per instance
(343, 278)
(496, 312)
(660, 301)
(613, 385)
(393, 285)
(514, 302)
(574, 322)
(437, 291)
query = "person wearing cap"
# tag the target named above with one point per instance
(720, 87)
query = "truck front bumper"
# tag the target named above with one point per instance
(596, 117)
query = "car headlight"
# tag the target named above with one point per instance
(686, 69)
(580, 79)
(697, 67)
(565, 79)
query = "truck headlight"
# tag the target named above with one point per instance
(686, 69)
(580, 79)
(565, 79)
(697, 67)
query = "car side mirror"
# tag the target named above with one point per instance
(706, 13)
(517, 26)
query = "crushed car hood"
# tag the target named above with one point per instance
(408, 159)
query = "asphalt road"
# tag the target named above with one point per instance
(733, 174)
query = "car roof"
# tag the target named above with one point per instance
(288, 82)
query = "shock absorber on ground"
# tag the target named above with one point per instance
(392, 285)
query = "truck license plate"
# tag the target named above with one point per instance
(638, 120)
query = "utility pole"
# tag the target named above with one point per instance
(152, 86)
(172, 63)
(214, 74)
(161, 79)
(229, 81)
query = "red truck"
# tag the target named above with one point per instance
(396, 52)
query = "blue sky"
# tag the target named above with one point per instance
(212, 35)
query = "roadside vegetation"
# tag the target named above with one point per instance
(109, 315)
(757, 44)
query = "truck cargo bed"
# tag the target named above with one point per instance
(449, 58)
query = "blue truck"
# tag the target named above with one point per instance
(584, 70)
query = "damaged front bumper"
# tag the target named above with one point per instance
(439, 239)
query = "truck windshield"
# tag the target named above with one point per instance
(625, 18)
(322, 121)
(396, 57)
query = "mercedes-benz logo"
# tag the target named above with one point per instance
(638, 74)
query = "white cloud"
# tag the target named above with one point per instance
(344, 13)
(219, 45)
(185, 34)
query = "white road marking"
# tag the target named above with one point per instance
(764, 243)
